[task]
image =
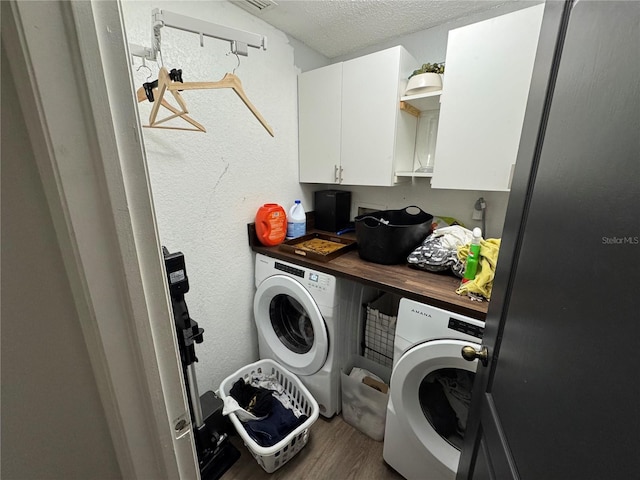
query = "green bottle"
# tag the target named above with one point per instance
(474, 255)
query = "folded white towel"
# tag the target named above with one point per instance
(453, 236)
(230, 405)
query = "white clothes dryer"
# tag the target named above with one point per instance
(307, 321)
(430, 391)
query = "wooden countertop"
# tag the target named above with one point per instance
(434, 289)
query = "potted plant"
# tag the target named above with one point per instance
(425, 79)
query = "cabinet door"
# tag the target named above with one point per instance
(486, 85)
(370, 105)
(319, 124)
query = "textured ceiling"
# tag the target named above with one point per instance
(339, 27)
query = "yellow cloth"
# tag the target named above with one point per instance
(483, 283)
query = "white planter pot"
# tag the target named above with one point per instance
(423, 83)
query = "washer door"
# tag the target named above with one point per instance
(429, 385)
(291, 325)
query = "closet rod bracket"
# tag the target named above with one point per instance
(241, 38)
(145, 53)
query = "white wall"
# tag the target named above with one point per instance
(208, 186)
(450, 203)
(53, 422)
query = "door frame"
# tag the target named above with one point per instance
(74, 85)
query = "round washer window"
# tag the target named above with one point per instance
(291, 323)
(445, 396)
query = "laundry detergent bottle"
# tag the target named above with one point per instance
(271, 224)
(296, 221)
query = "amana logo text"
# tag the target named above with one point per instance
(425, 314)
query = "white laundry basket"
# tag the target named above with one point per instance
(274, 457)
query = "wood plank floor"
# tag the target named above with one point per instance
(336, 451)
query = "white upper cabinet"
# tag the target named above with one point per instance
(486, 84)
(377, 137)
(320, 124)
(351, 129)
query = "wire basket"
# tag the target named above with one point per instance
(274, 457)
(380, 329)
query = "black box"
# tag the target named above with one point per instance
(332, 209)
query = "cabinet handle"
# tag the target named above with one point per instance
(336, 176)
(340, 176)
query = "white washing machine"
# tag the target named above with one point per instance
(307, 321)
(430, 391)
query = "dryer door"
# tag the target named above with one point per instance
(290, 326)
(431, 391)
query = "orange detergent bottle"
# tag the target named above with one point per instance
(271, 224)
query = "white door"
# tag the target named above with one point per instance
(431, 391)
(291, 329)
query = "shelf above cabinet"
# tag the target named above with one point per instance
(414, 174)
(414, 104)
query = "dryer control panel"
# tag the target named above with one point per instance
(320, 285)
(318, 281)
(465, 327)
(418, 322)
(312, 280)
(289, 269)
